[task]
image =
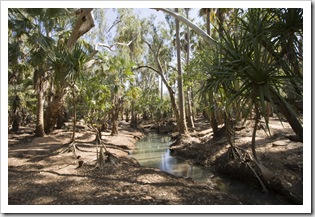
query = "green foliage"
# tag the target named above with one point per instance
(242, 69)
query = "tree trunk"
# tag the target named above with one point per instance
(182, 128)
(213, 120)
(39, 130)
(83, 24)
(189, 106)
(127, 115)
(133, 122)
(115, 115)
(52, 112)
(114, 127)
(288, 114)
(257, 117)
(189, 112)
(74, 120)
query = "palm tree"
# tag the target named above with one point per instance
(36, 25)
(189, 91)
(182, 128)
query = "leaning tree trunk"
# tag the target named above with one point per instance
(288, 114)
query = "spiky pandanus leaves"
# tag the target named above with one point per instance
(245, 60)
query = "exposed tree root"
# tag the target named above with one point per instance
(102, 154)
(245, 157)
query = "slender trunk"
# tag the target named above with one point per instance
(161, 90)
(133, 122)
(257, 116)
(39, 131)
(74, 120)
(193, 106)
(189, 113)
(213, 120)
(182, 119)
(127, 115)
(115, 114)
(189, 109)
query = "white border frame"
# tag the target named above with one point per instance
(305, 208)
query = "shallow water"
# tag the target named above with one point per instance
(153, 151)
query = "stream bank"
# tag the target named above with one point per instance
(281, 159)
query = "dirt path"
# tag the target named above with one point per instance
(39, 174)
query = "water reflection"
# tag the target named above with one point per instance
(152, 151)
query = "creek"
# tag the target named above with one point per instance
(153, 151)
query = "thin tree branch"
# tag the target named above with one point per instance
(115, 23)
(111, 46)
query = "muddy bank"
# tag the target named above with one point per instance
(280, 171)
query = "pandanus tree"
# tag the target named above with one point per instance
(68, 66)
(245, 60)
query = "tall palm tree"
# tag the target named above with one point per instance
(182, 128)
(189, 91)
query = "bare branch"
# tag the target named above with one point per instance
(149, 67)
(124, 44)
(104, 45)
(111, 46)
(114, 24)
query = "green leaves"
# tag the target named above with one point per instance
(245, 66)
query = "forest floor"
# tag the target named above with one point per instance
(39, 174)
